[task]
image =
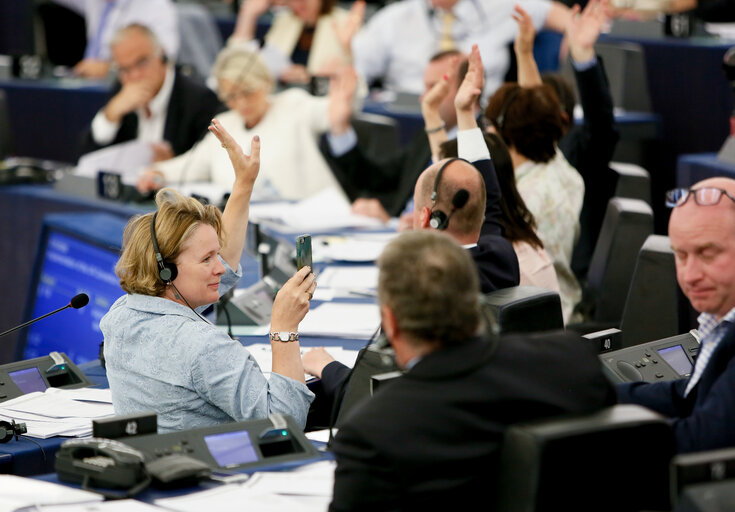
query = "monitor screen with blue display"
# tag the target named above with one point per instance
(72, 261)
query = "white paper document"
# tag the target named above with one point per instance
(324, 212)
(360, 248)
(349, 278)
(58, 412)
(18, 492)
(307, 488)
(126, 159)
(105, 506)
(342, 320)
(263, 355)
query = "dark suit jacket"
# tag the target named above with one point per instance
(494, 256)
(190, 109)
(589, 149)
(705, 419)
(391, 181)
(430, 439)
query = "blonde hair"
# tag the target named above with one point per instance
(176, 220)
(243, 68)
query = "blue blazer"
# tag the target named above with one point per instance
(705, 419)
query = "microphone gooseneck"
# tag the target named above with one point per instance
(78, 301)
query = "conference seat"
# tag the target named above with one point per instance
(702, 481)
(652, 306)
(627, 224)
(633, 181)
(200, 39)
(523, 309)
(625, 63)
(6, 138)
(376, 134)
(613, 460)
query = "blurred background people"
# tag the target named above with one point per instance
(306, 38)
(292, 166)
(105, 17)
(153, 101)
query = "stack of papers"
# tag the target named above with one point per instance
(59, 412)
(353, 281)
(308, 488)
(359, 248)
(18, 492)
(342, 320)
(324, 212)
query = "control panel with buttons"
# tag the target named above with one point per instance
(660, 360)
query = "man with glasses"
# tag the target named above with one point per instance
(702, 234)
(152, 102)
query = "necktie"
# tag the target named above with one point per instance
(445, 40)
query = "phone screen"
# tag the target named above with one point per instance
(303, 251)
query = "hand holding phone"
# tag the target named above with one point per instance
(303, 252)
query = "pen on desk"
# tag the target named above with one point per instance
(363, 293)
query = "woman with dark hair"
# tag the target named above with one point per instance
(529, 121)
(307, 38)
(519, 226)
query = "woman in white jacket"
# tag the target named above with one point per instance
(291, 165)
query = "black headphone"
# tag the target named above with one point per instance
(500, 120)
(438, 219)
(11, 430)
(167, 271)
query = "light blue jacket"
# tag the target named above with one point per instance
(161, 357)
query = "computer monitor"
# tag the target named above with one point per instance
(77, 253)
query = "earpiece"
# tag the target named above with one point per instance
(167, 271)
(11, 430)
(438, 219)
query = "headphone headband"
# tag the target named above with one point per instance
(438, 219)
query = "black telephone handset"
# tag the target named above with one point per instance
(105, 463)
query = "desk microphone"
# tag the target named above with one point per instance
(78, 301)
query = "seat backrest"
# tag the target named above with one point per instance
(200, 38)
(633, 181)
(376, 134)
(653, 293)
(524, 309)
(587, 462)
(626, 69)
(6, 138)
(627, 224)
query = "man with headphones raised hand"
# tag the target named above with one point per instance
(452, 195)
(153, 101)
(161, 355)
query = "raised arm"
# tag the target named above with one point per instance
(471, 143)
(247, 19)
(235, 216)
(528, 73)
(430, 103)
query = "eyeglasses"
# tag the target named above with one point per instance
(237, 94)
(139, 64)
(705, 196)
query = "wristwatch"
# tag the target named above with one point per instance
(284, 336)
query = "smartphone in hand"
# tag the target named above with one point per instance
(303, 251)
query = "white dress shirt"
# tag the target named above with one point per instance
(150, 127)
(158, 15)
(399, 40)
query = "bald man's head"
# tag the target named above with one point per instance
(702, 234)
(466, 222)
